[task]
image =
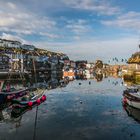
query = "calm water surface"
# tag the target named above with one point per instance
(76, 112)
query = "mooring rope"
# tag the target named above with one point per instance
(35, 124)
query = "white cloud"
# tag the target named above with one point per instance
(76, 37)
(21, 21)
(95, 49)
(13, 37)
(49, 35)
(130, 20)
(11, 5)
(101, 7)
(78, 26)
(7, 22)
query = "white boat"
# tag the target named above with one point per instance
(132, 97)
(133, 112)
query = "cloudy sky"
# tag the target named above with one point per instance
(83, 29)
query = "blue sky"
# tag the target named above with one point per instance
(83, 29)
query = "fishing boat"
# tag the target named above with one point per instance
(132, 97)
(31, 99)
(7, 96)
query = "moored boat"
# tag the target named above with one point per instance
(132, 112)
(132, 97)
(7, 96)
(31, 99)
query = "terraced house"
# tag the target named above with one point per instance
(18, 57)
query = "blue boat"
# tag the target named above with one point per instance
(6, 96)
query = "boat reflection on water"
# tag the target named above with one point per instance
(5, 109)
(12, 113)
(132, 112)
(16, 107)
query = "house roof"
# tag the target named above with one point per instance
(27, 49)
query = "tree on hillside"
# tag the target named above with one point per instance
(99, 64)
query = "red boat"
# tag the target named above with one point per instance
(30, 99)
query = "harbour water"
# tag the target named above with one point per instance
(83, 110)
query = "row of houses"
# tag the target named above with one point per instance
(18, 57)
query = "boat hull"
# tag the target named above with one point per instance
(132, 112)
(132, 100)
(9, 96)
(26, 103)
